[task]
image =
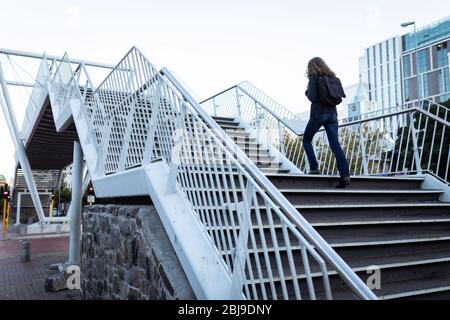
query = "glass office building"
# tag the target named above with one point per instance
(427, 77)
(380, 69)
(394, 76)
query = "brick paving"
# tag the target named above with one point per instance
(26, 281)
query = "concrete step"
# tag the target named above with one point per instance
(359, 259)
(356, 196)
(408, 281)
(339, 196)
(394, 214)
(396, 263)
(225, 119)
(345, 236)
(396, 283)
(358, 182)
(274, 171)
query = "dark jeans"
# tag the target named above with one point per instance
(330, 122)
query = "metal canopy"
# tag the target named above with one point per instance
(48, 149)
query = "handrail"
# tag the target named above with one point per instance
(348, 275)
(261, 104)
(115, 68)
(416, 137)
(268, 110)
(165, 108)
(36, 96)
(394, 113)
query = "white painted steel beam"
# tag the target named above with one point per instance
(39, 56)
(75, 205)
(11, 121)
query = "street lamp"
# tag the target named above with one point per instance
(405, 25)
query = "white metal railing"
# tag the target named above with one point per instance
(38, 94)
(137, 115)
(219, 106)
(270, 120)
(414, 139)
(380, 142)
(425, 104)
(64, 85)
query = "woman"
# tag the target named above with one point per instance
(323, 115)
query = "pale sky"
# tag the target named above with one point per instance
(211, 45)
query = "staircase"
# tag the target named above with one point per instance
(389, 222)
(243, 221)
(260, 155)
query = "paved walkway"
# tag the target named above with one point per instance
(25, 281)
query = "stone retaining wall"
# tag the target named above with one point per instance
(126, 254)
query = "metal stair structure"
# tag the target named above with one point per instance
(244, 220)
(388, 222)
(394, 216)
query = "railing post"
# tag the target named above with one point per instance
(257, 119)
(244, 212)
(75, 205)
(19, 204)
(215, 107)
(238, 101)
(414, 133)
(362, 148)
(176, 152)
(281, 138)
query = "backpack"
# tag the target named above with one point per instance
(330, 91)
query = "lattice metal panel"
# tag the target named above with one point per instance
(44, 179)
(138, 115)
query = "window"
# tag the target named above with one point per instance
(396, 94)
(387, 50)
(368, 58)
(394, 47)
(426, 85)
(388, 70)
(389, 97)
(419, 83)
(407, 66)
(441, 81)
(381, 53)
(424, 60)
(410, 87)
(441, 55)
(374, 56)
(446, 80)
(375, 82)
(395, 72)
(382, 75)
(407, 91)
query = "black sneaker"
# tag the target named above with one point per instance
(316, 172)
(343, 182)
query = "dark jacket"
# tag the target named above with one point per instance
(312, 93)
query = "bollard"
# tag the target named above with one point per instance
(25, 251)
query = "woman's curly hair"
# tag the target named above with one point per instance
(318, 67)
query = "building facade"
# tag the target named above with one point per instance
(432, 79)
(380, 69)
(360, 104)
(2, 181)
(389, 67)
